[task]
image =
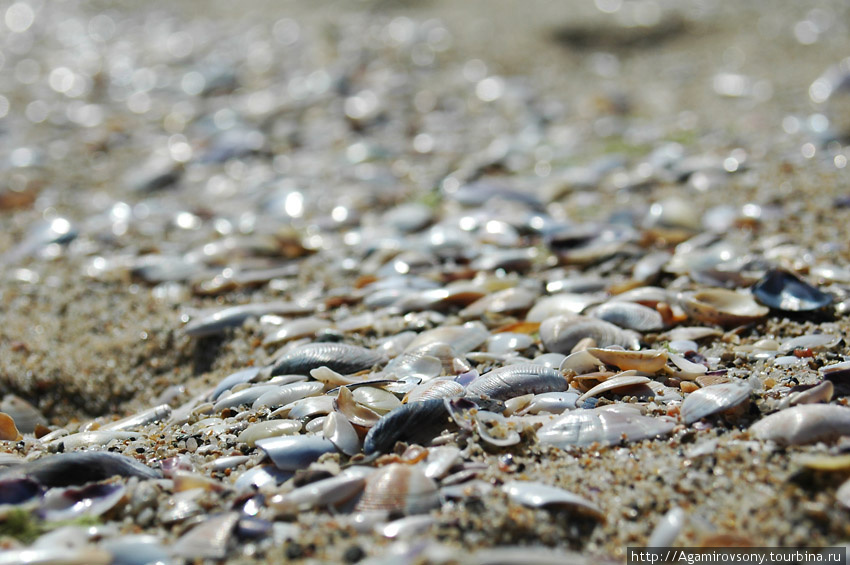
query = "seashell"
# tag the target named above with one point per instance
(59, 555)
(416, 422)
(508, 342)
(509, 300)
(722, 307)
(291, 453)
(229, 462)
(552, 402)
(269, 428)
(287, 394)
(406, 527)
(440, 461)
(564, 303)
(333, 379)
(339, 430)
(332, 491)
(515, 380)
(579, 363)
(435, 388)
(839, 375)
(584, 427)
(18, 490)
(495, 429)
(540, 495)
(356, 413)
(629, 315)
(155, 414)
(87, 439)
(316, 425)
(827, 463)
(810, 341)
(245, 396)
(399, 488)
(8, 431)
(295, 329)
(560, 334)
(25, 415)
(647, 360)
(235, 316)
(209, 539)
(376, 399)
(649, 296)
(613, 383)
(807, 423)
(72, 503)
(306, 408)
(687, 369)
(420, 363)
(690, 333)
(259, 477)
(842, 495)
(136, 549)
(785, 291)
(462, 339)
(439, 299)
(77, 468)
(713, 399)
(821, 392)
(340, 357)
(668, 528)
(551, 360)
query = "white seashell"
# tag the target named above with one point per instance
(137, 549)
(540, 495)
(376, 399)
(339, 430)
(561, 333)
(495, 429)
(155, 414)
(628, 315)
(687, 369)
(668, 528)
(690, 334)
(295, 329)
(72, 503)
(306, 407)
(288, 393)
(565, 303)
(333, 379)
(508, 342)
(233, 316)
(406, 527)
(803, 424)
(88, 439)
(810, 341)
(584, 427)
(647, 360)
(552, 360)
(440, 460)
(436, 388)
(316, 425)
(682, 346)
(517, 299)
(552, 402)
(244, 396)
(85, 555)
(208, 540)
(842, 495)
(290, 453)
(613, 383)
(580, 362)
(461, 338)
(325, 492)
(821, 392)
(713, 399)
(356, 413)
(269, 428)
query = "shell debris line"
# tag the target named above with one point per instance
(392, 282)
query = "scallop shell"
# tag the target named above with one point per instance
(515, 380)
(807, 423)
(713, 399)
(785, 291)
(399, 488)
(647, 360)
(584, 427)
(722, 307)
(560, 334)
(629, 315)
(540, 495)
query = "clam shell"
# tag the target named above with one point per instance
(807, 423)
(80, 467)
(376, 399)
(440, 460)
(713, 399)
(294, 329)
(540, 495)
(416, 422)
(356, 413)
(552, 402)
(325, 492)
(339, 430)
(286, 394)
(290, 453)
(647, 360)
(629, 315)
(668, 528)
(580, 362)
(267, 429)
(209, 539)
(785, 291)
(72, 503)
(436, 388)
(722, 307)
(560, 334)
(515, 380)
(564, 303)
(340, 357)
(612, 384)
(584, 427)
(399, 488)
(234, 316)
(461, 338)
(509, 300)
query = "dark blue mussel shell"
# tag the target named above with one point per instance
(782, 290)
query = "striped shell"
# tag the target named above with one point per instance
(713, 399)
(399, 488)
(807, 423)
(560, 334)
(515, 380)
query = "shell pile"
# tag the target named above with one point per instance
(280, 290)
